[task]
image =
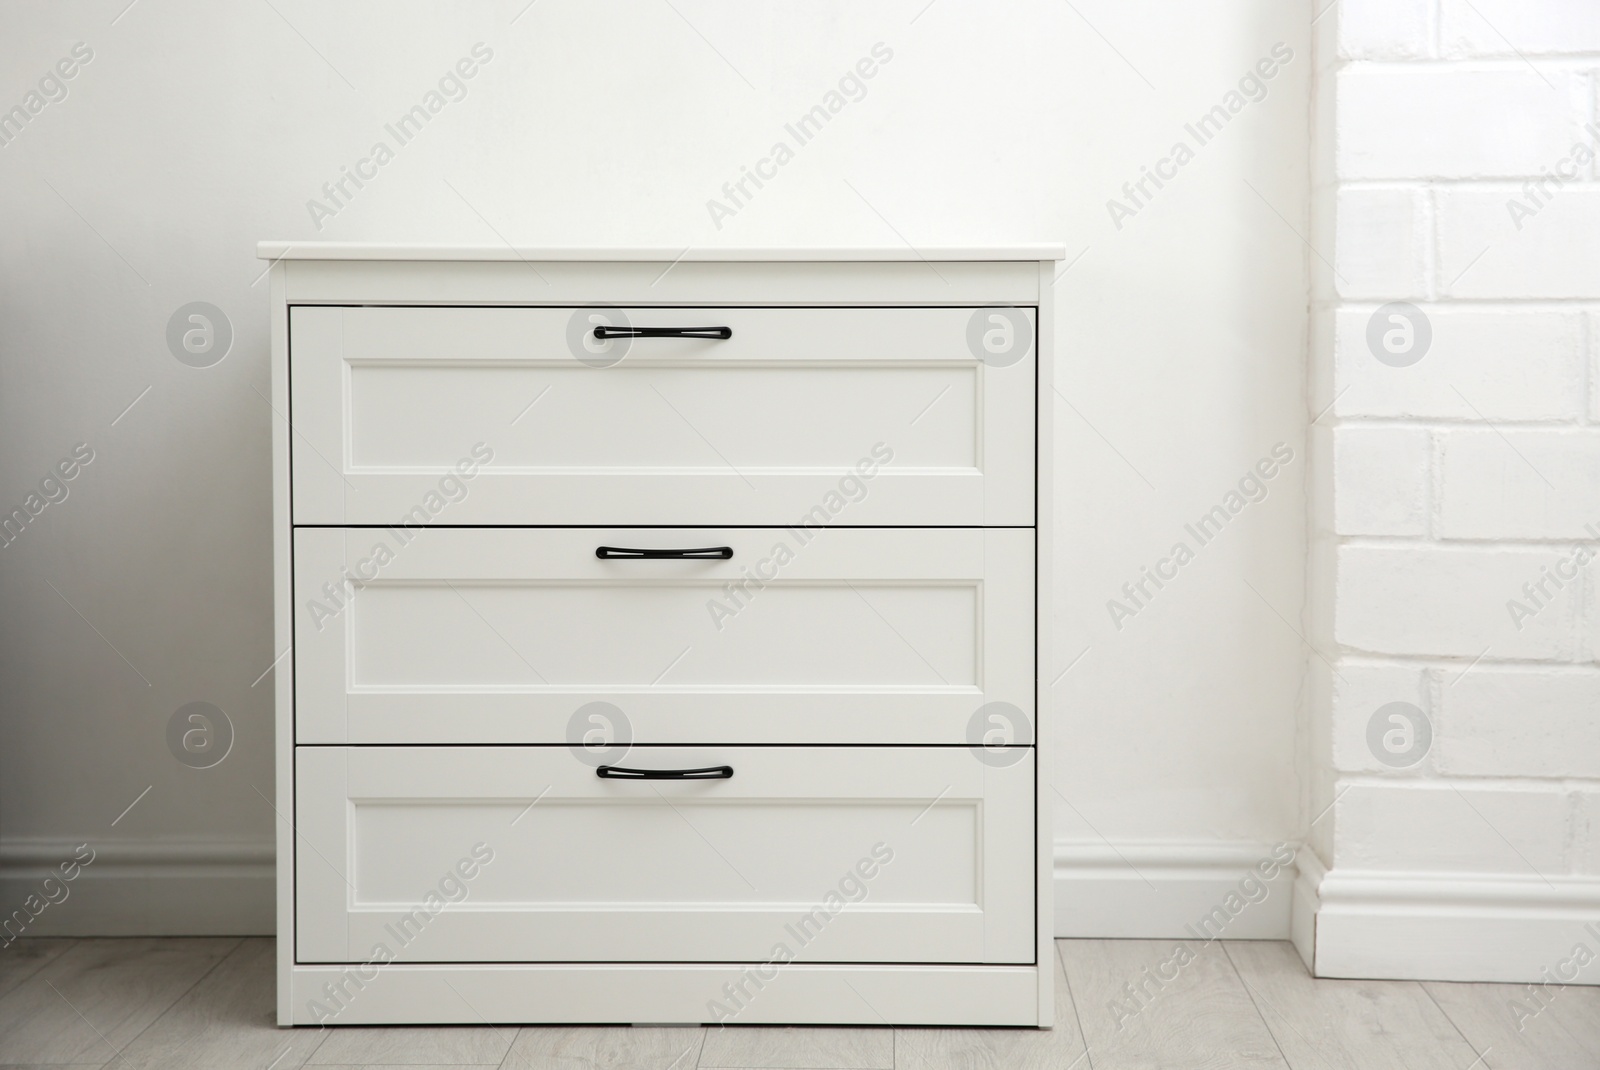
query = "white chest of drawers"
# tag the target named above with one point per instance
(665, 635)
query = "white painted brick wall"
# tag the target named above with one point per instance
(1524, 722)
(1381, 480)
(1434, 825)
(1385, 29)
(1586, 832)
(1513, 27)
(1359, 691)
(1592, 328)
(1397, 121)
(1448, 602)
(1380, 247)
(1513, 483)
(1483, 256)
(1508, 363)
(1461, 137)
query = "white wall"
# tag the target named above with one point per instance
(197, 129)
(1183, 338)
(1450, 476)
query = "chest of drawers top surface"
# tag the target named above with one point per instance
(388, 251)
(334, 273)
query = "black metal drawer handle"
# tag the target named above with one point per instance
(710, 772)
(604, 331)
(702, 553)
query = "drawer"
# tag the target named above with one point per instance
(509, 635)
(524, 854)
(501, 416)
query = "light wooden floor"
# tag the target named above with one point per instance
(188, 1004)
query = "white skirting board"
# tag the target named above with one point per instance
(1448, 927)
(1400, 926)
(136, 888)
(1436, 926)
(1184, 891)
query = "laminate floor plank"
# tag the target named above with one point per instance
(1060, 1048)
(23, 958)
(758, 1047)
(93, 1000)
(1558, 1031)
(188, 1004)
(1145, 1005)
(445, 1045)
(227, 1019)
(1330, 1024)
(605, 1048)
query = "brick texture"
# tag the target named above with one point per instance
(1486, 251)
(1520, 484)
(1441, 826)
(1437, 601)
(1384, 29)
(1380, 244)
(1518, 28)
(1458, 170)
(1509, 364)
(1399, 123)
(1380, 480)
(1526, 722)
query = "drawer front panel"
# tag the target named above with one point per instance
(837, 635)
(504, 854)
(756, 429)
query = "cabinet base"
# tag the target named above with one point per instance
(417, 994)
